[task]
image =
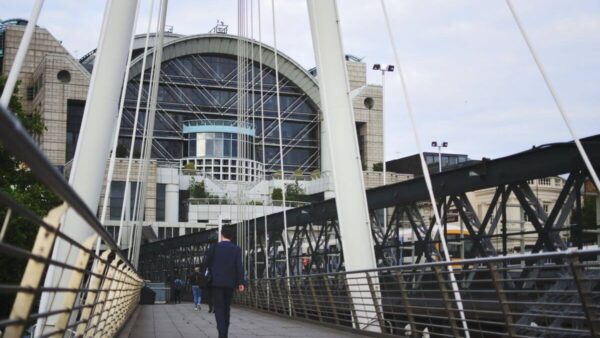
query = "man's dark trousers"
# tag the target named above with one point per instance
(222, 305)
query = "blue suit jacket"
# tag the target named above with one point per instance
(226, 265)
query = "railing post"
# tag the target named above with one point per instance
(350, 303)
(315, 299)
(587, 304)
(114, 312)
(446, 299)
(34, 271)
(376, 304)
(106, 315)
(102, 295)
(407, 306)
(92, 294)
(279, 296)
(504, 306)
(301, 297)
(75, 282)
(331, 300)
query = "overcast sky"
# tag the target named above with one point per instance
(470, 77)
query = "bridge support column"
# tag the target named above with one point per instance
(346, 168)
(172, 203)
(93, 145)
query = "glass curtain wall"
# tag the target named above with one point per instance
(204, 87)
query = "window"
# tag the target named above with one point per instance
(74, 116)
(544, 181)
(160, 202)
(167, 232)
(191, 230)
(524, 216)
(546, 207)
(113, 230)
(117, 192)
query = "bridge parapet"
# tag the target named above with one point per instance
(548, 294)
(102, 288)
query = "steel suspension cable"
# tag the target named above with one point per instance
(127, 194)
(554, 94)
(426, 174)
(143, 144)
(262, 118)
(281, 166)
(150, 116)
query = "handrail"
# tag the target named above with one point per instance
(546, 294)
(100, 290)
(18, 142)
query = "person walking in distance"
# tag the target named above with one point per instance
(178, 286)
(226, 274)
(196, 291)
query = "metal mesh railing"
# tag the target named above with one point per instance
(94, 290)
(543, 295)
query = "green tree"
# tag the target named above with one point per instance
(198, 190)
(17, 181)
(315, 174)
(276, 195)
(121, 151)
(378, 166)
(293, 192)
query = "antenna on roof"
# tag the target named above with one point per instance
(220, 28)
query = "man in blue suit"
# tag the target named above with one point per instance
(224, 262)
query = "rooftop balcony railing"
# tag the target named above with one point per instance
(218, 122)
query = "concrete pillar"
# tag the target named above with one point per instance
(172, 203)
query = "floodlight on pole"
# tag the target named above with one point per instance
(383, 70)
(439, 145)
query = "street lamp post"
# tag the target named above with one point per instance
(388, 68)
(439, 145)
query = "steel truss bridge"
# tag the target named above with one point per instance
(551, 291)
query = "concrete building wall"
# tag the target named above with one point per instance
(40, 90)
(53, 97)
(120, 174)
(42, 43)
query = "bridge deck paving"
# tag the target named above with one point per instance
(181, 320)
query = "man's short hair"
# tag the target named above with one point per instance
(227, 232)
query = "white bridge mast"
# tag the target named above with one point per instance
(93, 145)
(340, 130)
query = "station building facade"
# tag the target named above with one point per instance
(202, 133)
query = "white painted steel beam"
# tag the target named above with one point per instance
(346, 168)
(93, 145)
(351, 202)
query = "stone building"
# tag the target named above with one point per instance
(52, 83)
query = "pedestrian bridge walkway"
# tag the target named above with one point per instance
(182, 321)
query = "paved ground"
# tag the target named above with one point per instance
(181, 321)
